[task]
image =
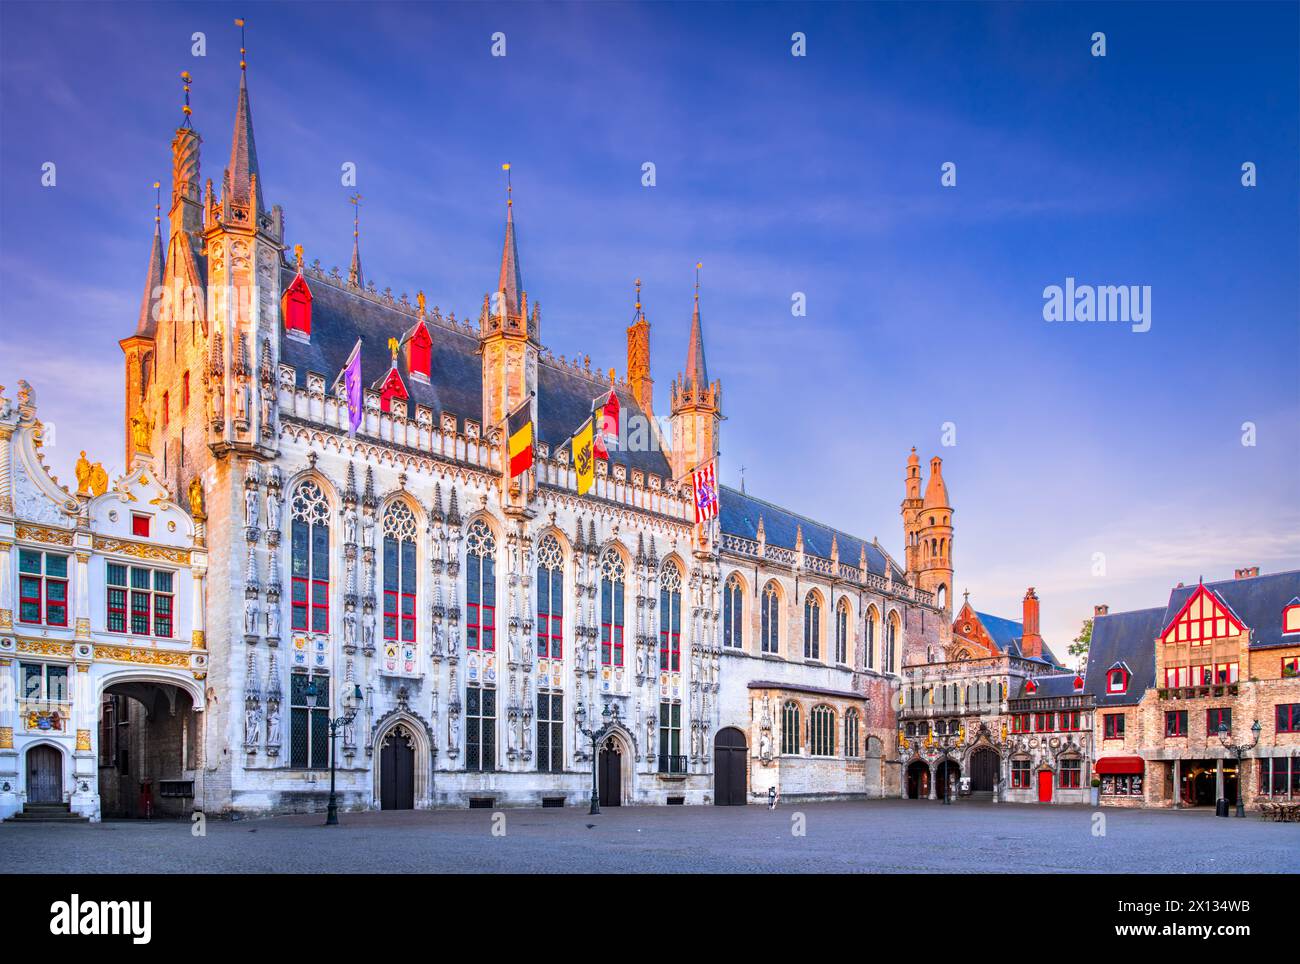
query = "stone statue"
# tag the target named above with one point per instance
(350, 527)
(272, 509)
(250, 617)
(250, 507)
(252, 716)
(272, 726)
(368, 634)
(765, 747)
(273, 621)
(350, 627)
(196, 498)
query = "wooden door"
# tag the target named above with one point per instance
(983, 770)
(1044, 786)
(729, 769)
(44, 775)
(397, 771)
(610, 773)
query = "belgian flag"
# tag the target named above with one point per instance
(519, 439)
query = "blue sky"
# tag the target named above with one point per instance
(817, 174)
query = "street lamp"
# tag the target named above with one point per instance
(610, 716)
(349, 714)
(1238, 750)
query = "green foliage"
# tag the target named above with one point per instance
(1081, 642)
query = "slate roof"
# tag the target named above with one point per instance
(739, 514)
(1257, 601)
(1128, 638)
(1007, 634)
(455, 385)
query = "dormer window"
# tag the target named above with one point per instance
(419, 349)
(295, 306)
(1078, 683)
(1117, 680)
(1291, 617)
(393, 388)
(1031, 687)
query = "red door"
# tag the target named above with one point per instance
(1044, 786)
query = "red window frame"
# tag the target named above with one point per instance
(1070, 776)
(670, 631)
(132, 607)
(1212, 721)
(611, 633)
(140, 525)
(1068, 720)
(1292, 663)
(482, 619)
(1020, 775)
(43, 584)
(399, 606)
(1123, 680)
(1113, 726)
(1229, 671)
(1020, 723)
(1179, 720)
(1287, 717)
(1044, 722)
(550, 620)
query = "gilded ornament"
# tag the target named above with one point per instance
(83, 740)
(141, 432)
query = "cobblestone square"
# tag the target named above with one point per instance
(886, 836)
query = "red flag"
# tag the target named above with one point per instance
(705, 488)
(606, 415)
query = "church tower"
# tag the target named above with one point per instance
(696, 403)
(927, 528)
(138, 348)
(244, 247)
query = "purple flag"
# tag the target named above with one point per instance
(352, 387)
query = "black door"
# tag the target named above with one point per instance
(983, 770)
(611, 775)
(44, 775)
(729, 777)
(397, 771)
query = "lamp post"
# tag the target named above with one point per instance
(350, 708)
(1238, 750)
(610, 716)
(949, 742)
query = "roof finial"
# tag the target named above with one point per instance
(186, 80)
(698, 266)
(509, 187)
(157, 205)
(243, 61)
(297, 256)
(393, 345)
(354, 272)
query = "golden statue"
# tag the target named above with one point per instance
(98, 479)
(82, 472)
(91, 477)
(141, 430)
(419, 300)
(297, 256)
(196, 498)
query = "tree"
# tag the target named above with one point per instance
(1081, 643)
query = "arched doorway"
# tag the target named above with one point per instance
(729, 774)
(149, 748)
(610, 774)
(983, 770)
(44, 775)
(397, 769)
(947, 777)
(918, 780)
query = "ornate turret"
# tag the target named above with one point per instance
(139, 347)
(696, 402)
(638, 357)
(928, 526)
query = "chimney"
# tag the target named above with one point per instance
(1031, 643)
(1249, 572)
(1100, 610)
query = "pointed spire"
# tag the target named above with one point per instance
(245, 179)
(148, 324)
(509, 283)
(355, 277)
(697, 374)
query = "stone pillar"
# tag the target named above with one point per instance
(81, 596)
(8, 720)
(85, 772)
(1218, 779)
(6, 584)
(933, 779)
(1178, 784)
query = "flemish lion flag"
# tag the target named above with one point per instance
(584, 462)
(519, 435)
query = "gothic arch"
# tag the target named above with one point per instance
(183, 681)
(422, 734)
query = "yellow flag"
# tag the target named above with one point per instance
(583, 459)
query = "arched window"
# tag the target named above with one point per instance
(842, 632)
(821, 732)
(872, 619)
(812, 626)
(733, 612)
(790, 727)
(550, 599)
(309, 555)
(771, 619)
(670, 618)
(851, 733)
(399, 573)
(941, 596)
(612, 578)
(891, 645)
(480, 588)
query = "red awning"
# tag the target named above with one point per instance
(1120, 764)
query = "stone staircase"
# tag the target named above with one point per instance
(48, 813)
